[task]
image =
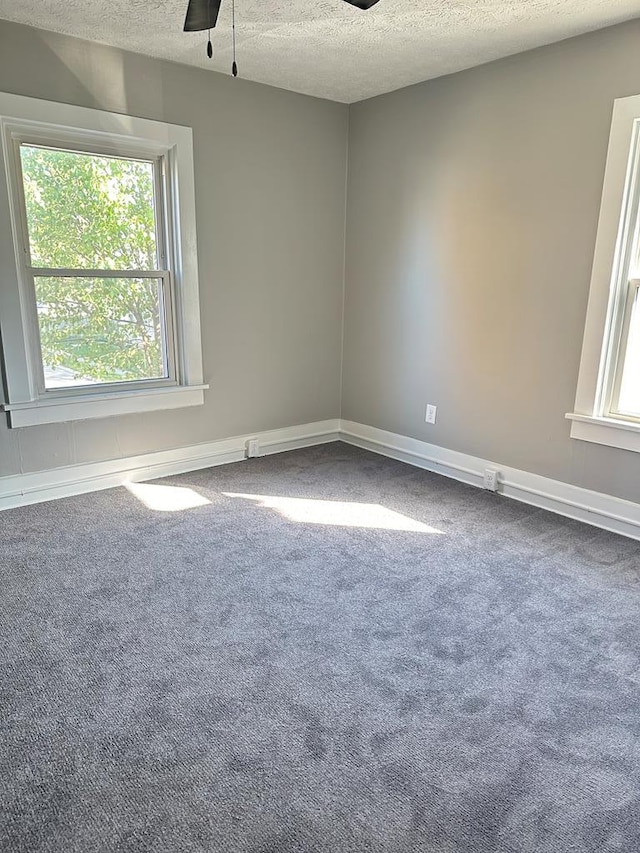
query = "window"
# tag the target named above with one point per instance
(101, 313)
(607, 409)
(94, 253)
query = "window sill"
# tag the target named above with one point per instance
(609, 431)
(60, 409)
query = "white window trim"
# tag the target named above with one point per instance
(618, 217)
(126, 135)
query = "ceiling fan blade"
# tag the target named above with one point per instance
(201, 15)
(362, 4)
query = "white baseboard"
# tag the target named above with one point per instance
(29, 488)
(594, 508)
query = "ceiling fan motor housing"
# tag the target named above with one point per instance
(203, 14)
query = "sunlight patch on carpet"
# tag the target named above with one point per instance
(338, 513)
(166, 498)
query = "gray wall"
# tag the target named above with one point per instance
(471, 222)
(270, 180)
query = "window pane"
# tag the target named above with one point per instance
(629, 399)
(88, 211)
(95, 330)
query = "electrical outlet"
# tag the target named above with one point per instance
(430, 414)
(253, 448)
(491, 479)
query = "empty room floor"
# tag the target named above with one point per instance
(323, 651)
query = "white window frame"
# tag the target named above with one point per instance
(95, 131)
(594, 417)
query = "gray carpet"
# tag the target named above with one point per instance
(226, 678)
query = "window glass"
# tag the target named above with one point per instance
(94, 212)
(100, 329)
(89, 211)
(629, 397)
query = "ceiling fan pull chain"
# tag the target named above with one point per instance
(209, 45)
(234, 66)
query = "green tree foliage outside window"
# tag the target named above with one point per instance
(94, 212)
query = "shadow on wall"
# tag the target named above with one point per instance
(78, 72)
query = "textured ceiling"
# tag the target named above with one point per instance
(327, 47)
